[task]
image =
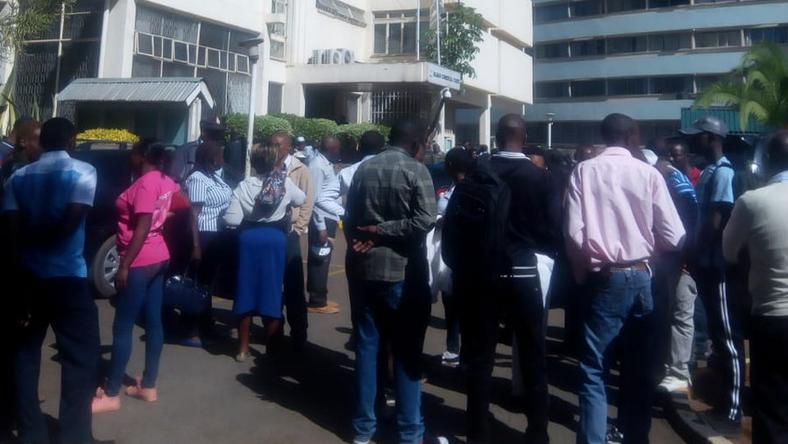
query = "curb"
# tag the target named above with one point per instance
(688, 423)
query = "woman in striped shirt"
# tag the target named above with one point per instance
(210, 196)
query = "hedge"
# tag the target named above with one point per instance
(108, 135)
(264, 126)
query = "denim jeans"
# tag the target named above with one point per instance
(67, 305)
(144, 291)
(383, 309)
(618, 308)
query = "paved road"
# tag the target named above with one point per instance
(206, 397)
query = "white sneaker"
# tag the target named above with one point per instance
(450, 359)
(673, 384)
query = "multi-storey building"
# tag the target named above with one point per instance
(645, 58)
(347, 60)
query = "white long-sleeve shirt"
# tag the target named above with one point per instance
(327, 191)
(347, 173)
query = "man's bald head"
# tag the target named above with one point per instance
(619, 130)
(510, 135)
(778, 152)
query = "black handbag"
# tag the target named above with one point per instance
(185, 294)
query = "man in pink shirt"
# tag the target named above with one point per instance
(619, 212)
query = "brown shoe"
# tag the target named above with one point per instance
(328, 309)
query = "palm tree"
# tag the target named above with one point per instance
(758, 87)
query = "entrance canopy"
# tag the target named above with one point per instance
(184, 90)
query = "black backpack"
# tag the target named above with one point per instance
(475, 224)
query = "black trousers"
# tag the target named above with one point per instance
(317, 268)
(517, 300)
(725, 313)
(293, 297)
(66, 305)
(769, 378)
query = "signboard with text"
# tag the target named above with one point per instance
(445, 77)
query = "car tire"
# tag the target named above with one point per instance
(103, 268)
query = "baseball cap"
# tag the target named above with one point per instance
(706, 124)
(300, 139)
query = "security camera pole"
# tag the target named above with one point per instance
(254, 55)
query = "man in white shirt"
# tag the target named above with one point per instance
(323, 226)
(758, 227)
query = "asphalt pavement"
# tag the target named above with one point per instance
(205, 397)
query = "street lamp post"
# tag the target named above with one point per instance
(550, 122)
(254, 56)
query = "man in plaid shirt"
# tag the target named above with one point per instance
(390, 208)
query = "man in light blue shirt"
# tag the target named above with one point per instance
(46, 205)
(325, 218)
(716, 197)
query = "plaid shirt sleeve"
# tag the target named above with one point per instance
(421, 217)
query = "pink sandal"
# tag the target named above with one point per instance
(139, 392)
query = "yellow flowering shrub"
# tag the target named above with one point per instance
(108, 135)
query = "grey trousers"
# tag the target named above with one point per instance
(683, 292)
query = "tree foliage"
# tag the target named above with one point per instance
(757, 87)
(458, 45)
(23, 20)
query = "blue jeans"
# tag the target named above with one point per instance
(144, 291)
(618, 313)
(382, 309)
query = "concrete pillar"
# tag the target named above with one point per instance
(485, 126)
(118, 49)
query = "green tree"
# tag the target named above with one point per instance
(458, 44)
(757, 87)
(22, 20)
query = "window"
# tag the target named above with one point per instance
(277, 50)
(625, 5)
(704, 81)
(552, 50)
(342, 11)
(587, 48)
(274, 98)
(718, 39)
(588, 88)
(395, 32)
(277, 29)
(671, 85)
(547, 90)
(669, 42)
(778, 34)
(700, 2)
(624, 45)
(667, 3)
(585, 8)
(551, 13)
(278, 6)
(627, 87)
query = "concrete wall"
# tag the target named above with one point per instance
(244, 14)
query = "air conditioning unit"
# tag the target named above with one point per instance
(332, 57)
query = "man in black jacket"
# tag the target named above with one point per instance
(532, 228)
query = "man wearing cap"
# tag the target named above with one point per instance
(303, 152)
(715, 197)
(185, 155)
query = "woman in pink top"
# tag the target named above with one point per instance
(142, 211)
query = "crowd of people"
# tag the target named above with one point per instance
(624, 238)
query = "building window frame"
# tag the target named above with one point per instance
(398, 20)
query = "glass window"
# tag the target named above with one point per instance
(278, 6)
(395, 39)
(777, 34)
(175, 69)
(588, 88)
(671, 85)
(145, 44)
(667, 3)
(277, 29)
(213, 58)
(546, 90)
(587, 48)
(669, 42)
(624, 45)
(342, 11)
(409, 38)
(585, 8)
(145, 67)
(717, 39)
(277, 50)
(625, 5)
(380, 38)
(242, 63)
(274, 98)
(181, 52)
(552, 50)
(627, 87)
(213, 36)
(551, 13)
(704, 81)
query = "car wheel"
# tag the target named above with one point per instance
(104, 267)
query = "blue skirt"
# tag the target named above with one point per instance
(261, 270)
